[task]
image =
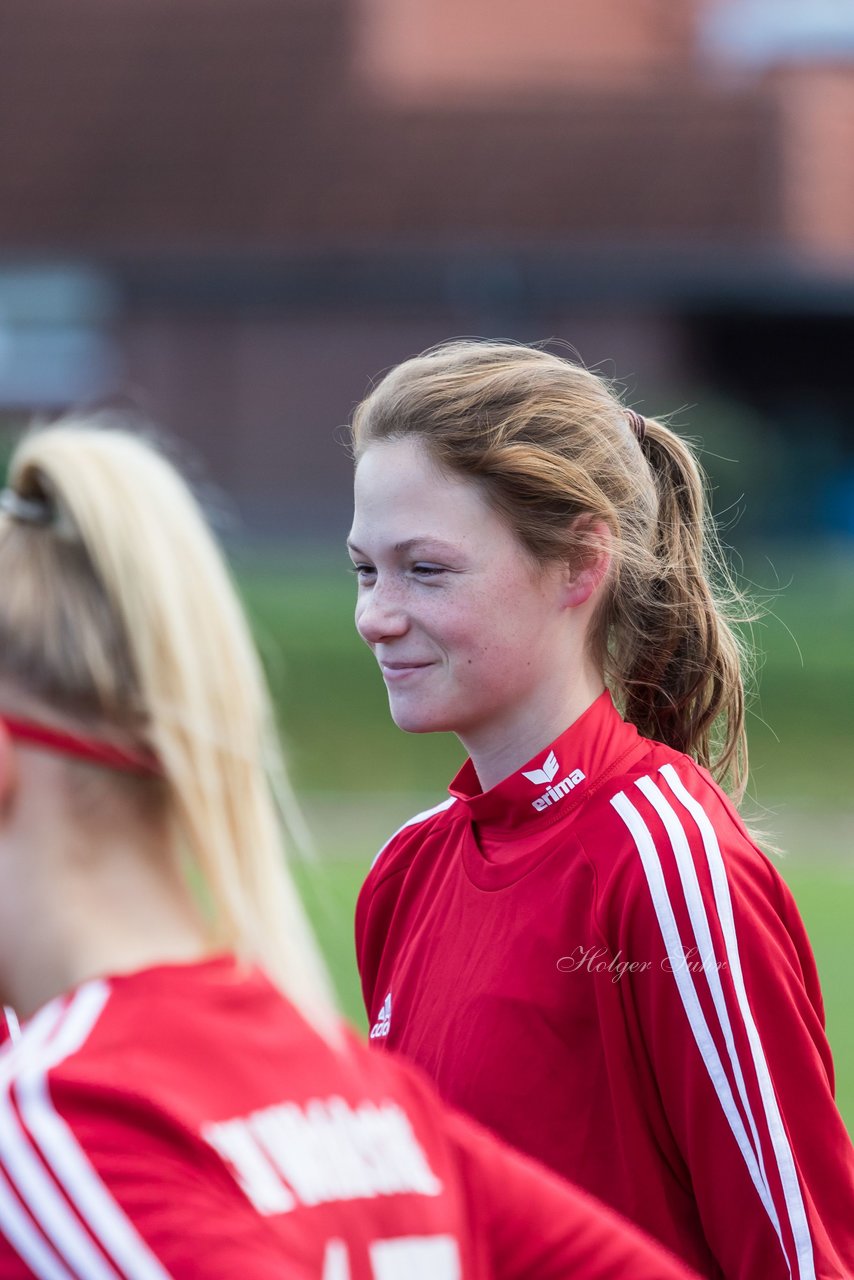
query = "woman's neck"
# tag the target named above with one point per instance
(497, 750)
(110, 911)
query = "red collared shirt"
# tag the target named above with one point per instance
(594, 960)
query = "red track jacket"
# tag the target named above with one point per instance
(186, 1122)
(595, 961)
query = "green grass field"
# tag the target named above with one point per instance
(359, 777)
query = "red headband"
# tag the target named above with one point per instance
(71, 744)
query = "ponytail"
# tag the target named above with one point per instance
(675, 661)
(118, 613)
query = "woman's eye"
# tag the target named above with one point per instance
(427, 570)
(363, 571)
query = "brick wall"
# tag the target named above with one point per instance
(456, 50)
(817, 154)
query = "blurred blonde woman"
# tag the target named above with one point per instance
(177, 1096)
(582, 945)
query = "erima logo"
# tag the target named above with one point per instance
(554, 792)
(382, 1026)
(542, 777)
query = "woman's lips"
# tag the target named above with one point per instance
(395, 671)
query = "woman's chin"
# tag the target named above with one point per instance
(419, 720)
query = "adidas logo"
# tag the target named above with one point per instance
(382, 1026)
(554, 791)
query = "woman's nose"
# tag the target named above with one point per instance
(380, 615)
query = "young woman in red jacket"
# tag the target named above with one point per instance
(583, 945)
(178, 1098)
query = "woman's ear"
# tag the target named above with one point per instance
(591, 560)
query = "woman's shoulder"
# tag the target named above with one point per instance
(664, 815)
(160, 1029)
(409, 837)
(667, 782)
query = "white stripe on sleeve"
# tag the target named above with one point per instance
(19, 1228)
(684, 980)
(64, 1174)
(779, 1140)
(24, 1236)
(708, 959)
(23, 1167)
(63, 1154)
(12, 1024)
(413, 822)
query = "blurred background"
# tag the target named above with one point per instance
(233, 214)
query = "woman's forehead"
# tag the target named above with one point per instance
(402, 496)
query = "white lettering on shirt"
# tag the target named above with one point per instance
(559, 789)
(326, 1150)
(407, 1258)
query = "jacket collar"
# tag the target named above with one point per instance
(557, 779)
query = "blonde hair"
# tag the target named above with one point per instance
(549, 441)
(119, 615)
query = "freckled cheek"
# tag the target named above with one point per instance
(506, 653)
(480, 643)
(484, 663)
